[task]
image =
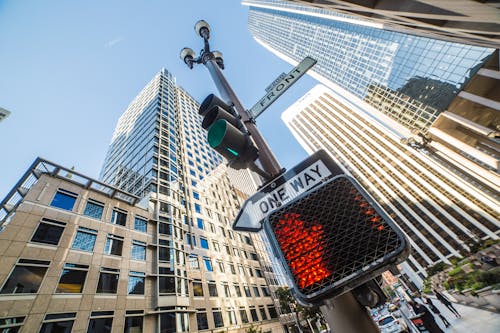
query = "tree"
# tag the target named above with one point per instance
(288, 304)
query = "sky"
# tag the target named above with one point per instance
(69, 69)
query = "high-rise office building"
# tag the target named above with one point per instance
(441, 214)
(362, 58)
(463, 21)
(159, 152)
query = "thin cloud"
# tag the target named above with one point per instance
(113, 42)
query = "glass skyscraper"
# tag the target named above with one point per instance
(366, 60)
(209, 277)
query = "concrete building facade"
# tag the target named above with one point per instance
(441, 214)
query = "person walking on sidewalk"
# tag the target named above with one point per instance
(433, 308)
(427, 317)
(446, 303)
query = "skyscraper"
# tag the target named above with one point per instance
(462, 21)
(359, 55)
(441, 214)
(159, 152)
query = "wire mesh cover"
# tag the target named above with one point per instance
(330, 234)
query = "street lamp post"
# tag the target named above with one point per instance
(215, 64)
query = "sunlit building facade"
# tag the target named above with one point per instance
(441, 214)
(211, 276)
(361, 57)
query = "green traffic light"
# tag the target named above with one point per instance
(216, 133)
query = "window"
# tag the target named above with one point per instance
(64, 199)
(114, 245)
(166, 284)
(253, 256)
(197, 208)
(201, 225)
(256, 291)
(232, 316)
(208, 264)
(216, 246)
(165, 228)
(204, 243)
(272, 312)
(196, 195)
(258, 273)
(193, 261)
(244, 316)
(221, 266)
(238, 289)
(201, 319)
(236, 252)
(72, 278)
(233, 270)
(218, 321)
(48, 232)
(247, 291)
(108, 281)
(227, 292)
(100, 322)
(84, 239)
(94, 209)
(140, 224)
(265, 291)
(26, 277)
(138, 250)
(262, 311)
(253, 313)
(12, 324)
(242, 271)
(164, 251)
(197, 288)
(119, 217)
(212, 289)
(249, 270)
(133, 321)
(136, 283)
(58, 323)
(228, 250)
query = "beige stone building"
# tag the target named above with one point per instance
(77, 255)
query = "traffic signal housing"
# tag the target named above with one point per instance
(333, 239)
(226, 134)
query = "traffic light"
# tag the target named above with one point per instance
(333, 239)
(226, 133)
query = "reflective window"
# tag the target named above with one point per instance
(201, 319)
(247, 291)
(208, 264)
(136, 283)
(204, 243)
(94, 209)
(218, 321)
(114, 245)
(72, 278)
(58, 323)
(84, 239)
(64, 199)
(140, 224)
(256, 291)
(244, 316)
(48, 232)
(11, 324)
(197, 288)
(100, 322)
(232, 316)
(212, 289)
(138, 250)
(119, 217)
(26, 277)
(108, 281)
(253, 313)
(201, 225)
(133, 324)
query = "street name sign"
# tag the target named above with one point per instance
(305, 176)
(281, 86)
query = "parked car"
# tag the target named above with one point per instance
(389, 324)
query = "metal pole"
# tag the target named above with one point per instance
(344, 314)
(266, 157)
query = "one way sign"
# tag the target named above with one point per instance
(303, 177)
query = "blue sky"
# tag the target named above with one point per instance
(68, 69)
